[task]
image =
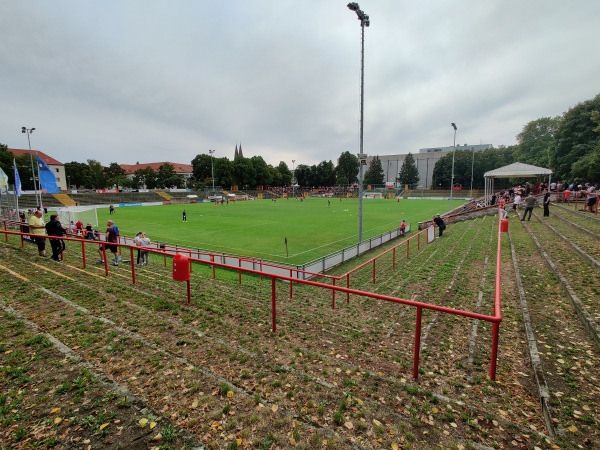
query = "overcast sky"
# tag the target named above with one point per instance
(146, 80)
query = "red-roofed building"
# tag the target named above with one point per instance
(185, 170)
(55, 165)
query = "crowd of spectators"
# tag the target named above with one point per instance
(563, 192)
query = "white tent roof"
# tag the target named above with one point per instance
(517, 170)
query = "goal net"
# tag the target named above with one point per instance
(87, 214)
(372, 195)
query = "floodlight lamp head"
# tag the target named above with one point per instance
(353, 6)
(23, 130)
(31, 131)
(454, 126)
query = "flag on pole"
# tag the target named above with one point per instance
(17, 180)
(3, 181)
(47, 178)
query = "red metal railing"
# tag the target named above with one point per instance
(495, 319)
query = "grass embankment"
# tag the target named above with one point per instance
(327, 378)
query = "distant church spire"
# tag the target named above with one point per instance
(240, 154)
(236, 155)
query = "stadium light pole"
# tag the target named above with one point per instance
(35, 187)
(362, 158)
(472, 165)
(452, 176)
(212, 170)
(293, 177)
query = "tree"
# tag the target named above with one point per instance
(302, 175)
(114, 175)
(223, 172)
(374, 174)
(166, 177)
(6, 161)
(324, 174)
(202, 167)
(79, 175)
(243, 172)
(409, 173)
(261, 169)
(536, 141)
(145, 177)
(347, 169)
(576, 140)
(98, 178)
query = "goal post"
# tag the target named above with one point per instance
(87, 214)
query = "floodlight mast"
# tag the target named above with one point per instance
(212, 170)
(362, 157)
(452, 175)
(35, 186)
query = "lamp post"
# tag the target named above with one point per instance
(35, 186)
(362, 158)
(472, 165)
(212, 170)
(293, 178)
(452, 176)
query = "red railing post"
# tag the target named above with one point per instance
(374, 270)
(239, 271)
(494, 362)
(394, 258)
(83, 252)
(408, 249)
(6, 229)
(212, 260)
(291, 284)
(333, 294)
(417, 343)
(419, 242)
(132, 265)
(348, 286)
(189, 291)
(273, 306)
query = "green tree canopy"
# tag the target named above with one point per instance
(536, 141)
(79, 175)
(347, 169)
(409, 173)
(576, 141)
(374, 174)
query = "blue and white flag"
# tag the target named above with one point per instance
(17, 180)
(47, 178)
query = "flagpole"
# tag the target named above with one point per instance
(17, 185)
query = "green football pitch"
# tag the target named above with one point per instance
(313, 228)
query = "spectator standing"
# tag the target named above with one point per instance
(54, 228)
(184, 216)
(38, 229)
(111, 209)
(591, 197)
(136, 240)
(144, 242)
(440, 224)
(112, 237)
(546, 203)
(530, 203)
(517, 202)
